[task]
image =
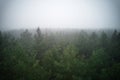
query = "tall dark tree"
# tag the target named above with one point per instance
(114, 49)
(26, 41)
(104, 40)
(93, 42)
(39, 47)
(114, 36)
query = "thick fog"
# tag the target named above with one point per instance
(82, 14)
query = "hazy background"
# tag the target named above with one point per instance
(82, 14)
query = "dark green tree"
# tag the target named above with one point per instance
(26, 41)
(39, 45)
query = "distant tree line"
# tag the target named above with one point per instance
(59, 56)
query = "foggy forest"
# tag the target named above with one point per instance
(60, 54)
(59, 39)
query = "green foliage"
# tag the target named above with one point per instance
(54, 57)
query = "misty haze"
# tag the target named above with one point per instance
(59, 40)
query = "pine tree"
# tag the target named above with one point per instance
(26, 41)
(39, 47)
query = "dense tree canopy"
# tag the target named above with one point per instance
(80, 55)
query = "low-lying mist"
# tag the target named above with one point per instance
(59, 40)
(64, 54)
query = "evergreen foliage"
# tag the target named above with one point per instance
(84, 56)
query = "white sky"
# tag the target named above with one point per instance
(60, 14)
